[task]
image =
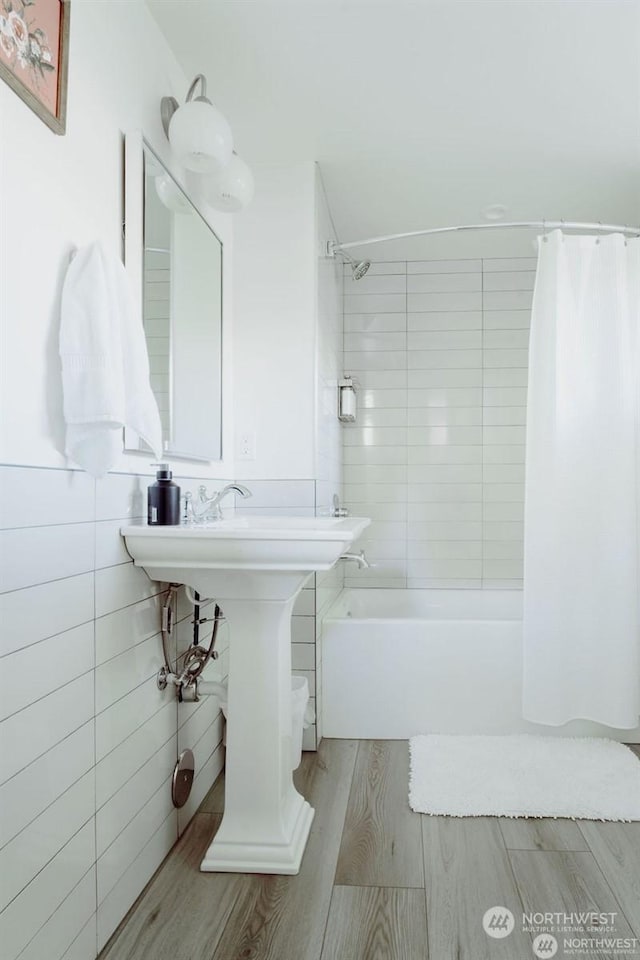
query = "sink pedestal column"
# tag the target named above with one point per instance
(266, 822)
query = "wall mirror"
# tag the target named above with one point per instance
(174, 260)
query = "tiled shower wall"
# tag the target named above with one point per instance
(87, 741)
(436, 457)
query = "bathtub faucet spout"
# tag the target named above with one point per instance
(359, 558)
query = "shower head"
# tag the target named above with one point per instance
(359, 269)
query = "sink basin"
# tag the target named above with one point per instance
(254, 567)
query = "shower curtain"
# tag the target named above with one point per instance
(581, 624)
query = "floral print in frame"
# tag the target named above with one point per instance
(34, 40)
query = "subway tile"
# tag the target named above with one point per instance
(378, 474)
(503, 530)
(443, 550)
(305, 604)
(445, 417)
(374, 284)
(373, 492)
(34, 555)
(368, 380)
(118, 631)
(505, 377)
(34, 613)
(504, 397)
(505, 416)
(392, 417)
(117, 767)
(502, 569)
(507, 300)
(126, 846)
(378, 551)
(365, 342)
(490, 584)
(389, 572)
(452, 512)
(30, 850)
(503, 473)
(424, 302)
(375, 323)
(444, 530)
(110, 544)
(303, 629)
(503, 493)
(69, 933)
(122, 496)
(502, 264)
(509, 280)
(445, 340)
(445, 436)
(26, 795)
(376, 583)
(202, 783)
(122, 586)
(374, 455)
(436, 583)
(506, 339)
(503, 550)
(381, 268)
(444, 454)
(126, 715)
(446, 397)
(28, 734)
(457, 569)
(507, 453)
(503, 511)
(357, 436)
(444, 492)
(447, 473)
(444, 266)
(387, 512)
(420, 379)
(122, 807)
(385, 530)
(122, 674)
(280, 493)
(48, 665)
(303, 656)
(504, 434)
(445, 320)
(375, 360)
(373, 398)
(507, 319)
(444, 282)
(38, 902)
(375, 303)
(117, 902)
(33, 497)
(505, 358)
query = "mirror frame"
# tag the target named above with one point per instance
(133, 236)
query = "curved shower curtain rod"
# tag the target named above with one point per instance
(334, 247)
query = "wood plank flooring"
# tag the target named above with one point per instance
(379, 882)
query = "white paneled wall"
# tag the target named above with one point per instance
(87, 741)
(436, 458)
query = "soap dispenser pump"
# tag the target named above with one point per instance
(163, 499)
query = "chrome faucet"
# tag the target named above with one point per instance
(359, 558)
(209, 508)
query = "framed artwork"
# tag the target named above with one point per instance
(34, 51)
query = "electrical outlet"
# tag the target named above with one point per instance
(246, 446)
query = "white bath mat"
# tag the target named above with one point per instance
(524, 776)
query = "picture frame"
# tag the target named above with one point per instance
(34, 55)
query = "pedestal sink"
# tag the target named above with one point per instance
(254, 568)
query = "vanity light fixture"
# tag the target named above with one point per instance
(347, 401)
(199, 134)
(201, 139)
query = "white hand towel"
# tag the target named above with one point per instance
(105, 366)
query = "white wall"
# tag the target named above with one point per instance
(61, 192)
(274, 323)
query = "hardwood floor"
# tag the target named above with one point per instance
(379, 882)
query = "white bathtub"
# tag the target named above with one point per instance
(400, 662)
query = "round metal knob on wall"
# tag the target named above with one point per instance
(182, 780)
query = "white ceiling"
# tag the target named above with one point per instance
(422, 113)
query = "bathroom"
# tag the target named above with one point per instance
(359, 119)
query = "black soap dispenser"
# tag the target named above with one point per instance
(163, 499)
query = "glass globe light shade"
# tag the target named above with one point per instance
(171, 195)
(201, 137)
(234, 187)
